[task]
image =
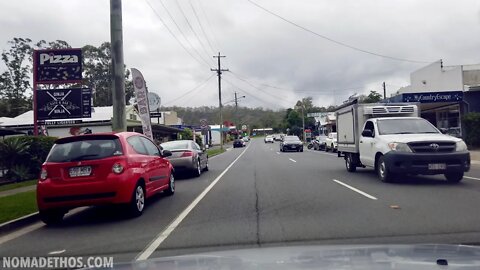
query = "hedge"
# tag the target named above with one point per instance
(25, 164)
(472, 128)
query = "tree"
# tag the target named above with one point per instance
(15, 81)
(97, 68)
(373, 97)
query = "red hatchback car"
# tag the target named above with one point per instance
(103, 168)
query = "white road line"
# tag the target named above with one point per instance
(292, 160)
(21, 232)
(56, 252)
(355, 189)
(322, 153)
(473, 178)
(32, 227)
(148, 251)
(278, 153)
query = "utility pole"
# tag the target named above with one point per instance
(219, 74)
(384, 91)
(119, 120)
(303, 122)
(236, 108)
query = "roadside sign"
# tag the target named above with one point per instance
(64, 103)
(155, 115)
(203, 123)
(154, 101)
(62, 122)
(244, 127)
(57, 66)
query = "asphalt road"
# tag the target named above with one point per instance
(258, 196)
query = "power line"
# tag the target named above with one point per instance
(335, 41)
(201, 26)
(183, 34)
(259, 89)
(198, 87)
(173, 35)
(250, 94)
(215, 40)
(299, 91)
(191, 28)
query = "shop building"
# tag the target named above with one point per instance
(444, 93)
(100, 121)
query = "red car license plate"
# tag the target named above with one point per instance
(437, 166)
(80, 171)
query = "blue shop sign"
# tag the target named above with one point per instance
(433, 97)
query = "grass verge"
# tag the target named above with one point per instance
(17, 205)
(18, 185)
(214, 152)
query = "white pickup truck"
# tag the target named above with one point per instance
(331, 142)
(395, 141)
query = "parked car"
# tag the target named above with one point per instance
(331, 142)
(187, 155)
(246, 139)
(278, 137)
(320, 142)
(238, 143)
(103, 168)
(291, 143)
(269, 139)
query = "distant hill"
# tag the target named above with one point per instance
(253, 117)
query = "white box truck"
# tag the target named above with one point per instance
(395, 141)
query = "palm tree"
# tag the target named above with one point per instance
(11, 152)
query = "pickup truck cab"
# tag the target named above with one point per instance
(370, 136)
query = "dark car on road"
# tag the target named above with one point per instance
(105, 168)
(187, 155)
(291, 143)
(238, 143)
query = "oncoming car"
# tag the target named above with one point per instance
(291, 143)
(268, 139)
(105, 168)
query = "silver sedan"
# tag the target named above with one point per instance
(187, 156)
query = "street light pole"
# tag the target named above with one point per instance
(303, 123)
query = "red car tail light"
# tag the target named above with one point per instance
(187, 154)
(43, 174)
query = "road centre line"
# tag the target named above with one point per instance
(355, 189)
(292, 160)
(473, 178)
(152, 246)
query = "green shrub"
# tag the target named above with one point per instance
(24, 155)
(472, 128)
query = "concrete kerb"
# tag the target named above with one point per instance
(19, 222)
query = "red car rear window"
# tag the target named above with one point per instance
(85, 148)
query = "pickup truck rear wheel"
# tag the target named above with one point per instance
(454, 177)
(382, 170)
(349, 164)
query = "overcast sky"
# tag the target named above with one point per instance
(278, 62)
